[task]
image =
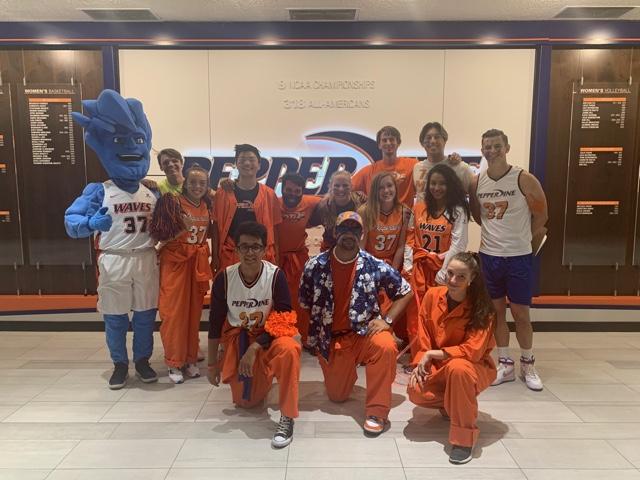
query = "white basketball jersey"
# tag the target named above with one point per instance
(506, 217)
(249, 305)
(131, 214)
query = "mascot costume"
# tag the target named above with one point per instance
(117, 213)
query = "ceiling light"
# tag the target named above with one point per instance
(164, 42)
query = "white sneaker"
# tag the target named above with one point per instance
(192, 370)
(506, 371)
(529, 375)
(175, 375)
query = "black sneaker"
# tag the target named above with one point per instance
(119, 376)
(144, 371)
(284, 433)
(460, 455)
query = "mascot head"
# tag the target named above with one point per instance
(118, 131)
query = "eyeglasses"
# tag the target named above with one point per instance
(244, 248)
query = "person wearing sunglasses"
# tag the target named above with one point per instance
(340, 288)
(242, 299)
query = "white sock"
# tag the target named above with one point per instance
(503, 352)
(526, 354)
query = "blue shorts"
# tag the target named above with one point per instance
(508, 276)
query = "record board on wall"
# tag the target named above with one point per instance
(600, 173)
(55, 167)
(10, 234)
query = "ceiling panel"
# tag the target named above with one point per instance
(277, 10)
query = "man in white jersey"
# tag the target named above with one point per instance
(117, 212)
(511, 208)
(242, 298)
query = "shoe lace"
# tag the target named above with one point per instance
(284, 426)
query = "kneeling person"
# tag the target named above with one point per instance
(243, 301)
(453, 361)
(340, 288)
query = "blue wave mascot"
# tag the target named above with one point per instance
(117, 213)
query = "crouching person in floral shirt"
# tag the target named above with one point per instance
(340, 289)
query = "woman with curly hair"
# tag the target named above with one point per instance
(439, 229)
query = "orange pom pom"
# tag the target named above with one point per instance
(281, 324)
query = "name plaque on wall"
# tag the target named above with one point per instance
(54, 171)
(10, 239)
(600, 174)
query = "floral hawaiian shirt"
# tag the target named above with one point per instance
(316, 295)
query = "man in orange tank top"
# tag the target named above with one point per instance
(292, 235)
(247, 201)
(388, 139)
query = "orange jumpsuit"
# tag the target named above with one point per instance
(184, 281)
(403, 168)
(382, 242)
(267, 211)
(456, 382)
(427, 237)
(348, 350)
(281, 360)
(294, 253)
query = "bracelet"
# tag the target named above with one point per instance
(213, 365)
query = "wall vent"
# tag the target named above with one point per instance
(121, 14)
(323, 14)
(593, 13)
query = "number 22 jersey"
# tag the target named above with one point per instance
(130, 215)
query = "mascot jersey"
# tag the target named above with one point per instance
(131, 214)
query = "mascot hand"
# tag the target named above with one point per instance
(101, 220)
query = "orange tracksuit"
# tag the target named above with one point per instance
(292, 235)
(382, 242)
(456, 382)
(403, 168)
(267, 212)
(427, 237)
(184, 281)
(348, 350)
(281, 360)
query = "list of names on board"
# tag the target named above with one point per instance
(600, 180)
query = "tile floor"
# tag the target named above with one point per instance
(59, 421)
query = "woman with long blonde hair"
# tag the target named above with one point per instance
(340, 198)
(385, 221)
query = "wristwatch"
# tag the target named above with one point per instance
(388, 320)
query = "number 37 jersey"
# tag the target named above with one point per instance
(506, 218)
(130, 215)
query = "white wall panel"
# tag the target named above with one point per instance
(489, 89)
(251, 90)
(174, 87)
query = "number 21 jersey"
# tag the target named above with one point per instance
(506, 218)
(130, 215)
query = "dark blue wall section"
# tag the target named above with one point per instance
(339, 34)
